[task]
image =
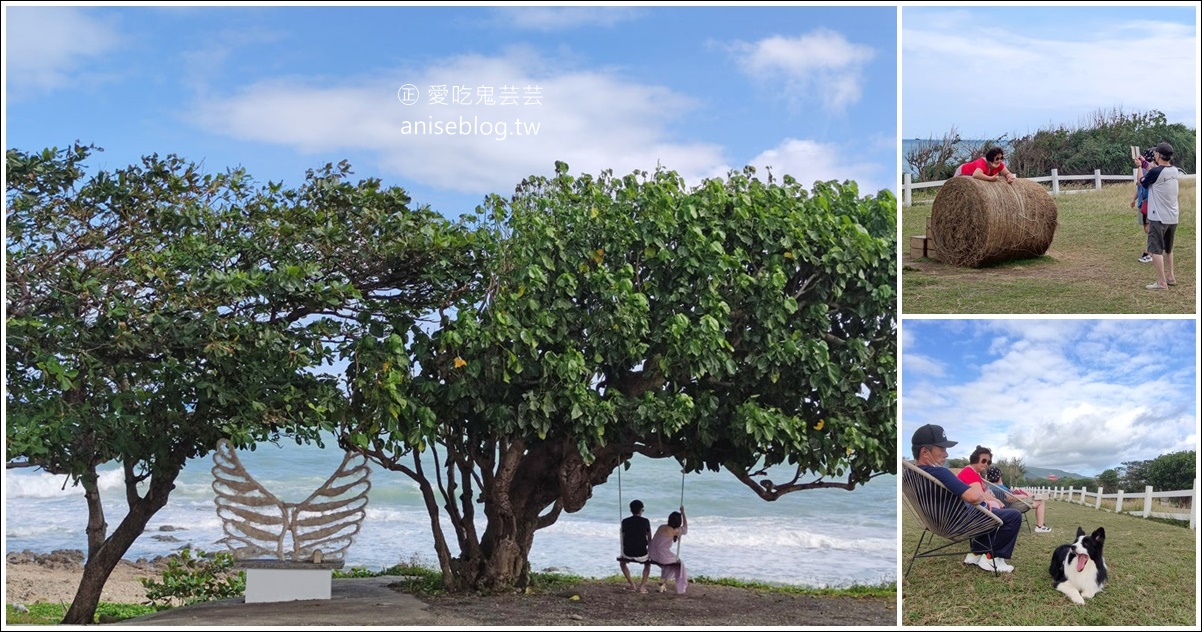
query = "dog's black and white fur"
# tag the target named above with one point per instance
(1078, 569)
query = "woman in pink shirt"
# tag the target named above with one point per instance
(671, 566)
(978, 462)
(988, 168)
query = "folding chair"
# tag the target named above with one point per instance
(942, 514)
(1012, 501)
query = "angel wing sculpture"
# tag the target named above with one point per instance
(257, 524)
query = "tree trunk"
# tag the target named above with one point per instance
(97, 527)
(105, 558)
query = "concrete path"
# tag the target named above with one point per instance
(353, 602)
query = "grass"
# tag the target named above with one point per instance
(1151, 566)
(883, 589)
(426, 581)
(52, 613)
(1091, 267)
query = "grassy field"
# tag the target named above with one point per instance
(1091, 267)
(1152, 577)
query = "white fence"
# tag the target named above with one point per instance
(908, 186)
(1131, 503)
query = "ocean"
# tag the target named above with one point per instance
(819, 538)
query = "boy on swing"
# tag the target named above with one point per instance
(636, 536)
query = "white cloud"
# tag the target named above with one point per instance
(46, 47)
(821, 65)
(591, 120)
(563, 18)
(962, 70)
(809, 161)
(917, 364)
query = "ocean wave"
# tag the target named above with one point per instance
(46, 485)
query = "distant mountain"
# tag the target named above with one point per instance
(1044, 472)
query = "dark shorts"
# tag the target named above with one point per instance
(1160, 237)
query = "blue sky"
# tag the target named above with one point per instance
(1015, 70)
(809, 91)
(1078, 395)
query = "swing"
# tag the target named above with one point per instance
(647, 562)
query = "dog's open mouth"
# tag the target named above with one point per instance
(1081, 560)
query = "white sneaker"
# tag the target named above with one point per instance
(1043, 529)
(972, 559)
(997, 562)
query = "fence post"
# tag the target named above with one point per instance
(1148, 501)
(1056, 191)
(1118, 503)
(906, 200)
(1098, 505)
(1097, 179)
(1193, 507)
(1135, 175)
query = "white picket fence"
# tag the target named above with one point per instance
(1055, 178)
(1136, 504)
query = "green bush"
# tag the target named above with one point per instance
(194, 577)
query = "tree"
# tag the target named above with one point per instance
(1099, 141)
(1109, 480)
(153, 310)
(735, 325)
(932, 159)
(1134, 476)
(1173, 471)
(1014, 470)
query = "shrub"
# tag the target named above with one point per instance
(194, 577)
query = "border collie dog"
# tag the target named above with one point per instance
(1077, 568)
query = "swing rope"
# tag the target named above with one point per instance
(621, 543)
(678, 538)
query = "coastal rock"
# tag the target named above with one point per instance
(66, 559)
(24, 557)
(165, 538)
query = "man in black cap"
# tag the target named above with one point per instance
(1163, 212)
(929, 445)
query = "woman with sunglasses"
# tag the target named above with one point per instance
(1007, 535)
(989, 168)
(980, 461)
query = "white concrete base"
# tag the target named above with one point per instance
(271, 584)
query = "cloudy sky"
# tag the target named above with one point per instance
(1016, 70)
(807, 91)
(1077, 395)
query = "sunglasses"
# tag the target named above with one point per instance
(986, 462)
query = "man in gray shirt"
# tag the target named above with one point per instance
(1161, 183)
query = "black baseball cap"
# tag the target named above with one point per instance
(1165, 150)
(931, 434)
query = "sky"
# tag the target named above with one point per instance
(1016, 70)
(807, 91)
(1078, 395)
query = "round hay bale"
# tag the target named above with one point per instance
(976, 222)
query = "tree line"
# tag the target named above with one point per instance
(1101, 141)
